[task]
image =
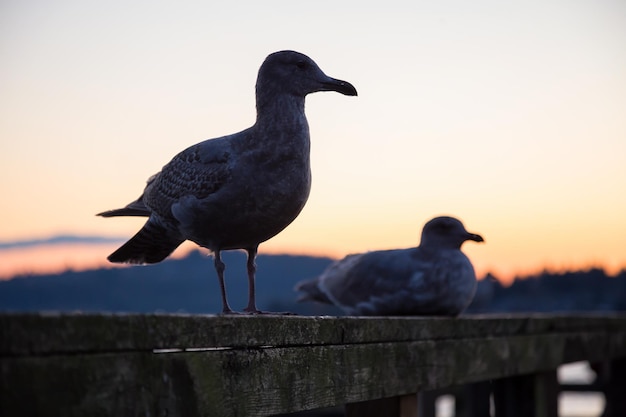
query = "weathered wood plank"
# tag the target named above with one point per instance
(271, 380)
(32, 334)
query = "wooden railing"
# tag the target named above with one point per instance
(176, 365)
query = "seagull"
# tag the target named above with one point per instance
(235, 191)
(432, 279)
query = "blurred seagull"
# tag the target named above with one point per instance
(435, 278)
(236, 191)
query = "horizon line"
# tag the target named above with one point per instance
(61, 239)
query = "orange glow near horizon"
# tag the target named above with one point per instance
(76, 257)
(53, 259)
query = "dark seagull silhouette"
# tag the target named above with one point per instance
(435, 278)
(236, 191)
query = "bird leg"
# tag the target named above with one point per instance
(251, 309)
(219, 267)
(251, 281)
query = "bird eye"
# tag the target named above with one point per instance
(301, 65)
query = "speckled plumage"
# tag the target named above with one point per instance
(435, 278)
(236, 191)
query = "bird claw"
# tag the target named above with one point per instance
(271, 313)
(230, 312)
(256, 312)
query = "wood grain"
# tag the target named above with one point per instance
(107, 365)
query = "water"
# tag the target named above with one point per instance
(571, 404)
(579, 404)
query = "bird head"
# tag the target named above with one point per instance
(294, 73)
(446, 233)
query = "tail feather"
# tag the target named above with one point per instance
(125, 211)
(151, 244)
(311, 291)
(136, 208)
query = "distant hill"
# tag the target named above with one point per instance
(190, 285)
(590, 290)
(187, 285)
(60, 240)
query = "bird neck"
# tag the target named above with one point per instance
(435, 246)
(284, 112)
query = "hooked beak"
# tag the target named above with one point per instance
(475, 237)
(343, 87)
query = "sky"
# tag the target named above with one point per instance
(511, 117)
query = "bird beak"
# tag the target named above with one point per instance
(475, 237)
(343, 87)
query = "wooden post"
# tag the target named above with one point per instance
(401, 406)
(472, 400)
(426, 401)
(615, 389)
(533, 395)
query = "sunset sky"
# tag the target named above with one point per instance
(511, 117)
